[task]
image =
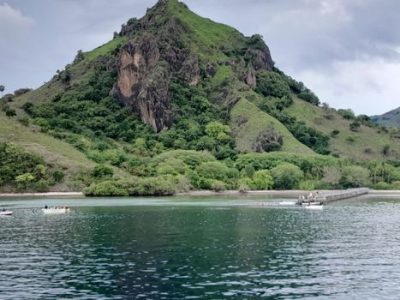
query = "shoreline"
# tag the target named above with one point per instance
(294, 193)
(49, 194)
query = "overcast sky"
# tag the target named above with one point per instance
(347, 51)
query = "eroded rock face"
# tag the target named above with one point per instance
(142, 83)
(146, 65)
(251, 78)
(260, 59)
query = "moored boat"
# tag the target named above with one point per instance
(55, 210)
(6, 213)
(314, 206)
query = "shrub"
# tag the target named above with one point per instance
(217, 170)
(286, 176)
(24, 180)
(115, 157)
(245, 184)
(335, 133)
(268, 141)
(218, 186)
(386, 150)
(308, 96)
(10, 112)
(41, 186)
(347, 114)
(152, 186)
(189, 157)
(172, 166)
(58, 176)
(102, 171)
(28, 107)
(308, 185)
(249, 171)
(262, 180)
(22, 91)
(331, 176)
(355, 125)
(106, 188)
(382, 186)
(354, 176)
(272, 84)
(218, 131)
(17, 167)
(182, 184)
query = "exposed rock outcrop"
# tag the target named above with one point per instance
(260, 59)
(251, 78)
(146, 65)
(268, 141)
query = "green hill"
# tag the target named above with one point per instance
(197, 93)
(389, 119)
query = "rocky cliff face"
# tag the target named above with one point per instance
(143, 82)
(146, 65)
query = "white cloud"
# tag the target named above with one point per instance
(366, 86)
(14, 27)
(10, 16)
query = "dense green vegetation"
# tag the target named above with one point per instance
(181, 171)
(23, 171)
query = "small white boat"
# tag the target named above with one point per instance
(314, 207)
(55, 211)
(6, 213)
(287, 203)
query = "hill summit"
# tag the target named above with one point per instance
(176, 94)
(171, 43)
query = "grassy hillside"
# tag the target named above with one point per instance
(55, 153)
(177, 102)
(248, 122)
(364, 143)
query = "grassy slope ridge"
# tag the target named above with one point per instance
(366, 143)
(55, 153)
(259, 121)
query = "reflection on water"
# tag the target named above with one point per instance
(200, 249)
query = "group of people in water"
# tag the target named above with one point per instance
(56, 207)
(310, 198)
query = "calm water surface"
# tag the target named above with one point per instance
(181, 248)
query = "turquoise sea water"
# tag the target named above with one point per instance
(200, 248)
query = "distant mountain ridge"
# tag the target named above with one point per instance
(389, 119)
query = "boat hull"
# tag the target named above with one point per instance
(6, 213)
(55, 211)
